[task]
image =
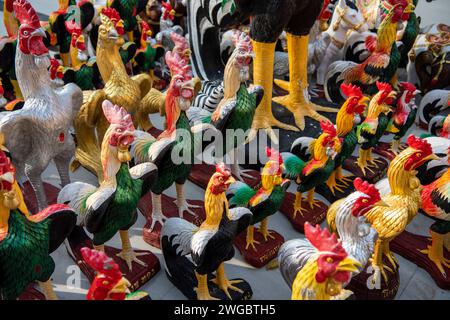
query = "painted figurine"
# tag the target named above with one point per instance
(263, 202)
(209, 245)
(433, 103)
(111, 207)
(26, 241)
(127, 9)
(39, 132)
(109, 283)
(318, 267)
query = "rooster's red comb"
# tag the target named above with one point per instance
(384, 86)
(26, 14)
(117, 115)
(101, 263)
(73, 27)
(223, 169)
(111, 13)
(419, 144)
(322, 240)
(179, 41)
(407, 86)
(328, 128)
(367, 188)
(350, 90)
(274, 155)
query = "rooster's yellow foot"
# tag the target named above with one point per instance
(346, 180)
(438, 259)
(380, 270)
(251, 243)
(334, 185)
(314, 203)
(224, 284)
(298, 209)
(266, 234)
(129, 256)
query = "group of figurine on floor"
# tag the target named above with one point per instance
(78, 90)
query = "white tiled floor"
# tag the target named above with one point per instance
(414, 282)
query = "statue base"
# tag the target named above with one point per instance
(408, 245)
(263, 252)
(363, 289)
(374, 172)
(137, 277)
(384, 149)
(31, 293)
(201, 173)
(30, 197)
(153, 237)
(314, 215)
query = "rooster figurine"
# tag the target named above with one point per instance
(26, 241)
(111, 207)
(318, 267)
(262, 202)
(39, 132)
(109, 283)
(210, 245)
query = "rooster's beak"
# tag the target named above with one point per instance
(230, 180)
(410, 8)
(432, 157)
(381, 203)
(39, 33)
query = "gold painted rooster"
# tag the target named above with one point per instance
(133, 94)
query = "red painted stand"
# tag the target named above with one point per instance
(170, 210)
(383, 149)
(374, 173)
(137, 277)
(31, 293)
(314, 215)
(30, 197)
(408, 245)
(201, 173)
(265, 251)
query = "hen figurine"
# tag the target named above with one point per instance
(26, 241)
(111, 207)
(209, 245)
(318, 267)
(39, 132)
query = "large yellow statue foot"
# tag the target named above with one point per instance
(269, 124)
(202, 288)
(435, 252)
(224, 284)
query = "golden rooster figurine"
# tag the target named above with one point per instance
(403, 202)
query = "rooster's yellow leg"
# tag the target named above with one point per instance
(388, 253)
(47, 288)
(332, 184)
(377, 262)
(395, 146)
(345, 180)
(310, 198)
(363, 160)
(16, 88)
(223, 283)
(297, 101)
(435, 252)
(127, 253)
(264, 229)
(251, 242)
(65, 57)
(202, 287)
(263, 76)
(298, 205)
(130, 36)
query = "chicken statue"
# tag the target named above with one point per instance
(26, 241)
(310, 163)
(90, 124)
(404, 201)
(268, 20)
(39, 132)
(263, 201)
(209, 245)
(111, 207)
(109, 283)
(370, 131)
(318, 267)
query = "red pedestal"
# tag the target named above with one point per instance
(265, 251)
(314, 215)
(384, 149)
(170, 210)
(137, 277)
(201, 173)
(408, 245)
(373, 174)
(31, 293)
(30, 197)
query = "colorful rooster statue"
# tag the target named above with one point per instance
(109, 283)
(404, 115)
(263, 202)
(209, 245)
(311, 162)
(146, 56)
(404, 201)
(318, 267)
(384, 58)
(370, 131)
(346, 119)
(111, 207)
(127, 9)
(26, 241)
(39, 132)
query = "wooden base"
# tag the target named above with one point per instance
(30, 197)
(384, 149)
(325, 192)
(374, 173)
(31, 293)
(264, 252)
(170, 210)
(408, 245)
(314, 215)
(364, 290)
(201, 173)
(137, 277)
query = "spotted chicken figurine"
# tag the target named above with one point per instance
(209, 245)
